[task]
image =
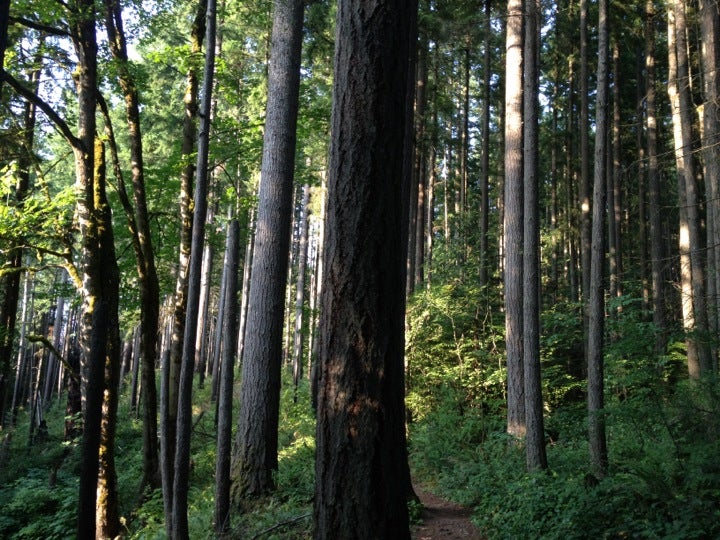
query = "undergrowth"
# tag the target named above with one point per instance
(664, 477)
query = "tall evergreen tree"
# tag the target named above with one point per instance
(361, 462)
(255, 453)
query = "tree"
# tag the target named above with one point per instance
(513, 223)
(596, 294)
(255, 453)
(534, 424)
(694, 304)
(170, 376)
(361, 462)
(181, 478)
(142, 244)
(224, 423)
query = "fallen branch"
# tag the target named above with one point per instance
(281, 524)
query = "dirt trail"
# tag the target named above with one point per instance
(443, 520)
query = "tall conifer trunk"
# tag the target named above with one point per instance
(255, 453)
(361, 467)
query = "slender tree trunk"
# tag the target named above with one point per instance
(584, 125)
(513, 224)
(224, 428)
(300, 290)
(485, 142)
(181, 478)
(145, 256)
(255, 453)
(170, 381)
(535, 431)
(657, 255)
(596, 307)
(108, 513)
(361, 461)
(202, 324)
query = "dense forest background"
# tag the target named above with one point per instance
(189, 238)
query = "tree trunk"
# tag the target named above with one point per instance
(692, 265)
(535, 430)
(224, 427)
(297, 357)
(584, 125)
(485, 142)
(596, 306)
(255, 453)
(181, 477)
(361, 461)
(653, 180)
(108, 517)
(171, 369)
(710, 28)
(144, 253)
(513, 224)
(202, 337)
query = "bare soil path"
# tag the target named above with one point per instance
(443, 520)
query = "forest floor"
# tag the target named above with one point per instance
(443, 520)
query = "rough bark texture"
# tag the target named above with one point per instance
(692, 267)
(255, 454)
(535, 430)
(710, 27)
(107, 519)
(596, 307)
(361, 460)
(513, 220)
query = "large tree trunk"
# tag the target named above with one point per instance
(596, 297)
(710, 27)
(255, 453)
(692, 266)
(170, 378)
(513, 222)
(361, 460)
(535, 431)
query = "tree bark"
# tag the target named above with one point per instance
(255, 453)
(170, 380)
(653, 179)
(361, 460)
(181, 479)
(535, 431)
(513, 220)
(224, 429)
(485, 142)
(596, 306)
(297, 358)
(144, 253)
(710, 51)
(692, 266)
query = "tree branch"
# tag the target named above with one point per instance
(45, 107)
(39, 26)
(34, 338)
